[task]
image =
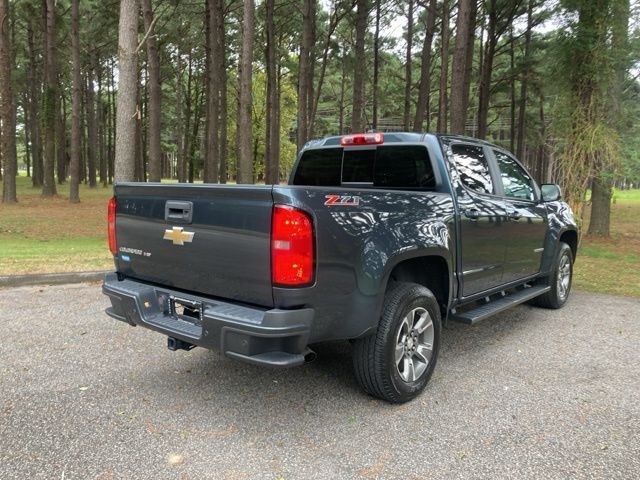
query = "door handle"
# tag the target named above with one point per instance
(514, 215)
(472, 213)
(178, 211)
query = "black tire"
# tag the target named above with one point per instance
(557, 297)
(374, 357)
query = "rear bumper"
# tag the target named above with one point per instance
(263, 337)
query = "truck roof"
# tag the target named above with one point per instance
(397, 137)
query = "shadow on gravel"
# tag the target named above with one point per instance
(204, 379)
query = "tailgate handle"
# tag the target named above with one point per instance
(178, 212)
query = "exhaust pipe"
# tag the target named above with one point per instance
(174, 344)
(309, 355)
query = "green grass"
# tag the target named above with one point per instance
(51, 235)
(612, 265)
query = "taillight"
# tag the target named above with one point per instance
(292, 247)
(362, 139)
(111, 225)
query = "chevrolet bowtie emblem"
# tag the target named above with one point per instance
(177, 236)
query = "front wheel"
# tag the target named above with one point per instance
(559, 281)
(396, 363)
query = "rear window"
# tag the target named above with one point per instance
(402, 166)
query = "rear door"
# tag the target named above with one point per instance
(526, 227)
(482, 219)
(209, 239)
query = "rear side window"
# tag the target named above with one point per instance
(473, 167)
(398, 166)
(319, 168)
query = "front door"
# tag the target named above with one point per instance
(482, 219)
(526, 227)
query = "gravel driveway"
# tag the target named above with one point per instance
(530, 393)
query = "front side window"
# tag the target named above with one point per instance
(473, 167)
(515, 180)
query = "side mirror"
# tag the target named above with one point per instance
(550, 192)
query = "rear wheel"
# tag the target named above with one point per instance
(396, 363)
(559, 281)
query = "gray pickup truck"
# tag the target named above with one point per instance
(378, 239)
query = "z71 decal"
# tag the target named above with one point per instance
(350, 200)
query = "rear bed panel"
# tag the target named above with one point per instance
(228, 255)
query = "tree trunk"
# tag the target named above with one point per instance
(101, 124)
(408, 68)
(222, 85)
(602, 186)
(245, 104)
(304, 72)
(179, 116)
(212, 145)
(341, 107)
(512, 91)
(34, 108)
(187, 118)
(76, 104)
(524, 82)
(271, 161)
(7, 109)
(27, 131)
(424, 91)
(601, 193)
(376, 67)
(125, 144)
(50, 101)
(334, 19)
(462, 60)
(61, 136)
(154, 88)
(91, 126)
(443, 100)
(112, 123)
(359, 71)
(487, 70)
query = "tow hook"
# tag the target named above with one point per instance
(174, 344)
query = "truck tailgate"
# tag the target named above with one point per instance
(209, 239)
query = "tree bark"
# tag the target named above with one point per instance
(125, 144)
(222, 84)
(50, 101)
(524, 83)
(92, 138)
(600, 220)
(154, 127)
(487, 70)
(408, 68)
(304, 72)
(424, 90)
(334, 19)
(61, 138)
(357, 116)
(76, 104)
(272, 144)
(245, 104)
(34, 107)
(602, 186)
(7, 109)
(443, 100)
(461, 69)
(179, 115)
(376, 67)
(212, 151)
